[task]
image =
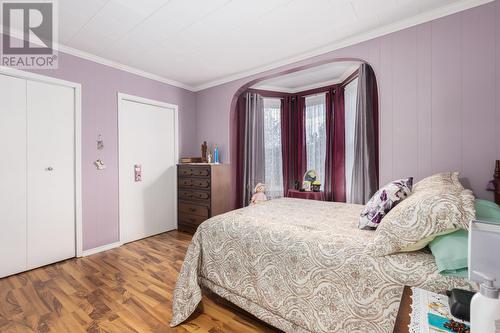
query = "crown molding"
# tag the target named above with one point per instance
(110, 63)
(120, 66)
(359, 38)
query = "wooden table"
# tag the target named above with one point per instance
(403, 318)
(309, 195)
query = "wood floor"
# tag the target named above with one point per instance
(127, 289)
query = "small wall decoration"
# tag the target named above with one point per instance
(259, 194)
(138, 173)
(100, 143)
(99, 164)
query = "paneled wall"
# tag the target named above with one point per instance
(438, 87)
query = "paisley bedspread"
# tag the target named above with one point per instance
(302, 266)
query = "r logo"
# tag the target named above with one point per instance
(35, 21)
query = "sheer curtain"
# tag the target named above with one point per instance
(272, 148)
(365, 169)
(254, 154)
(350, 96)
(316, 134)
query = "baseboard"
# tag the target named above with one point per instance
(100, 249)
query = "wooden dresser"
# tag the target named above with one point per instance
(203, 192)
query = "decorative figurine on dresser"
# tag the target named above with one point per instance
(203, 191)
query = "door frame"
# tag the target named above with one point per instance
(77, 87)
(122, 97)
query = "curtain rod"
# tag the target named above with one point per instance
(316, 94)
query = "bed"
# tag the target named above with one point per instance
(302, 266)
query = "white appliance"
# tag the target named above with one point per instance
(484, 268)
(484, 248)
(147, 167)
(37, 174)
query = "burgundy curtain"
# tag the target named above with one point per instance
(240, 144)
(293, 141)
(335, 146)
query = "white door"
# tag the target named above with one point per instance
(12, 175)
(51, 173)
(147, 138)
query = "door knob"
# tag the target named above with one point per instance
(49, 168)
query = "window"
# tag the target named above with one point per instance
(350, 96)
(316, 134)
(272, 147)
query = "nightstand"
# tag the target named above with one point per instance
(432, 312)
(403, 317)
(309, 195)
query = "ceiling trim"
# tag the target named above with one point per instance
(363, 37)
(126, 68)
(296, 90)
(110, 63)
(306, 87)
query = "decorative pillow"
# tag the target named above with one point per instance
(438, 181)
(383, 201)
(487, 210)
(425, 214)
(451, 253)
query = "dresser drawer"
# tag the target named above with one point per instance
(187, 171)
(191, 220)
(190, 229)
(201, 183)
(191, 209)
(194, 195)
(189, 223)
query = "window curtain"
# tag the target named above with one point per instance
(240, 150)
(315, 128)
(272, 147)
(293, 141)
(253, 146)
(350, 98)
(335, 186)
(365, 173)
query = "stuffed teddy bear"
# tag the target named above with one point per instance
(259, 194)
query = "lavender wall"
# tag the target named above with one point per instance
(100, 85)
(438, 88)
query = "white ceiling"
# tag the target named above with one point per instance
(199, 43)
(311, 78)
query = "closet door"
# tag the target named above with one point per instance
(146, 138)
(12, 175)
(50, 174)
